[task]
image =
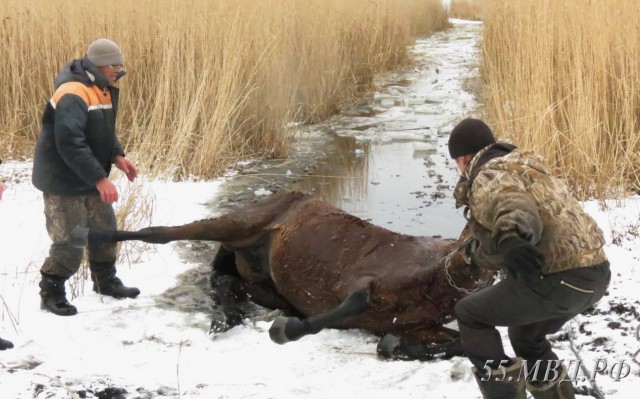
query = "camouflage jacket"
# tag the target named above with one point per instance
(515, 194)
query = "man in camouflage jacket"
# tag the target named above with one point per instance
(71, 166)
(525, 222)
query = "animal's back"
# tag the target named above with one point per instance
(320, 253)
(316, 255)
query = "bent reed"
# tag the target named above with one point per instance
(209, 80)
(564, 77)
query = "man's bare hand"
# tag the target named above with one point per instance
(108, 192)
(126, 166)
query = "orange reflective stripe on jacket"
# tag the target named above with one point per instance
(92, 96)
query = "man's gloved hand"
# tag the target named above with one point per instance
(522, 258)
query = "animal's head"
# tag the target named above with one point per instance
(460, 270)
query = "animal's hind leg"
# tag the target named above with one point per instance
(266, 295)
(224, 264)
(230, 291)
(435, 343)
(287, 329)
(240, 224)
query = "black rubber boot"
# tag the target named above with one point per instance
(560, 388)
(505, 383)
(105, 281)
(4, 344)
(53, 296)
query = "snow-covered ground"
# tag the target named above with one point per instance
(151, 350)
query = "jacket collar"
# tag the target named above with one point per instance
(84, 71)
(483, 156)
(94, 75)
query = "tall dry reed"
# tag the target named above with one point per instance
(209, 80)
(466, 9)
(564, 77)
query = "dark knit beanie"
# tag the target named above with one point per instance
(103, 52)
(468, 137)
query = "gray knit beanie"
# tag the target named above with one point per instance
(468, 137)
(103, 52)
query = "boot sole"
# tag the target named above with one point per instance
(117, 296)
(70, 312)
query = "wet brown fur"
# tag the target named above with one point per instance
(311, 255)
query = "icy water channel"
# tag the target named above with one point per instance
(385, 161)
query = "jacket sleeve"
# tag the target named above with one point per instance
(505, 206)
(117, 150)
(69, 131)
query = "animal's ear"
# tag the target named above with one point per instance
(468, 250)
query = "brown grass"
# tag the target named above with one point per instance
(564, 77)
(209, 80)
(466, 9)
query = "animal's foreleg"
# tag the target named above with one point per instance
(230, 292)
(286, 329)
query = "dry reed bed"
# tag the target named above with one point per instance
(209, 80)
(466, 9)
(564, 77)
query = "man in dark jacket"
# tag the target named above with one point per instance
(71, 166)
(526, 223)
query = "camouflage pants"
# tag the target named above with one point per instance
(63, 213)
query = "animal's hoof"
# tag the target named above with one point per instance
(277, 331)
(387, 346)
(218, 323)
(397, 348)
(287, 329)
(221, 322)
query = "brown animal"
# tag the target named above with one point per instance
(327, 268)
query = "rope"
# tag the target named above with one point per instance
(447, 263)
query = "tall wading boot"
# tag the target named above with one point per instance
(105, 281)
(558, 388)
(506, 383)
(4, 344)
(53, 296)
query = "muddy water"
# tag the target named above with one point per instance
(384, 160)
